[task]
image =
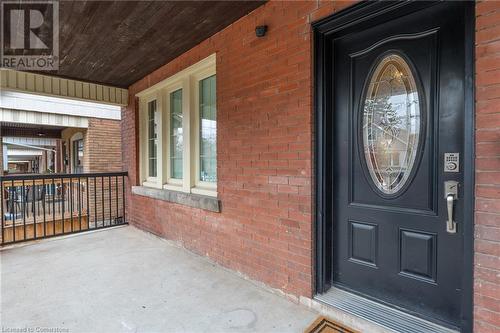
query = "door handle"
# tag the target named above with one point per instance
(451, 226)
(451, 194)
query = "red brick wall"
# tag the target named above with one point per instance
(264, 150)
(264, 153)
(487, 242)
(103, 143)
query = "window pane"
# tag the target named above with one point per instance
(391, 124)
(176, 134)
(78, 156)
(208, 130)
(152, 138)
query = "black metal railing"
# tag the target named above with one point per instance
(40, 206)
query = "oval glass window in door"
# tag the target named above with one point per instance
(391, 124)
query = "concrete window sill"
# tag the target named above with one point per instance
(187, 199)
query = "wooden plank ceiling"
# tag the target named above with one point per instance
(119, 42)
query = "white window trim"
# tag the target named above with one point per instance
(187, 80)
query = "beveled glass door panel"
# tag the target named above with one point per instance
(392, 150)
(391, 124)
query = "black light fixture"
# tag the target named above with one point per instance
(260, 31)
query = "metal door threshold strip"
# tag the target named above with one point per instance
(379, 314)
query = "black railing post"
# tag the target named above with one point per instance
(117, 202)
(63, 204)
(110, 205)
(53, 206)
(87, 189)
(44, 192)
(124, 196)
(102, 201)
(95, 203)
(34, 209)
(23, 200)
(71, 201)
(14, 208)
(79, 204)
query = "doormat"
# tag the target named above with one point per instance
(325, 325)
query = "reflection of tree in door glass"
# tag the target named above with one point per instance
(391, 124)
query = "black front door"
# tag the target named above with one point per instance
(395, 146)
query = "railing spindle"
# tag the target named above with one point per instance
(34, 210)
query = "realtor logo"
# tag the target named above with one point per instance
(30, 35)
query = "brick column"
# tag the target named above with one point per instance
(487, 223)
(102, 153)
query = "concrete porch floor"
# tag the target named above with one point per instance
(125, 280)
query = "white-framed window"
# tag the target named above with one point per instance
(185, 131)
